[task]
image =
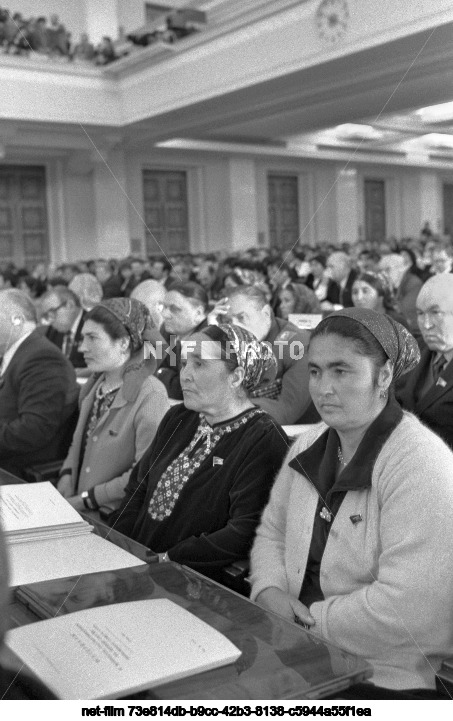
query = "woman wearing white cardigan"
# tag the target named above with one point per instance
(356, 541)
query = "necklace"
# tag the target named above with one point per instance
(341, 458)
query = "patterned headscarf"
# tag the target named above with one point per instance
(135, 317)
(396, 341)
(254, 357)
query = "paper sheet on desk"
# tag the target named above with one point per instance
(60, 557)
(110, 651)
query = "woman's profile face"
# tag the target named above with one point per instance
(342, 383)
(100, 352)
(365, 296)
(203, 376)
(287, 303)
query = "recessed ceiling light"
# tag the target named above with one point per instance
(436, 113)
(438, 140)
(355, 131)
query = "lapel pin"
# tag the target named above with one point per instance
(216, 461)
(356, 519)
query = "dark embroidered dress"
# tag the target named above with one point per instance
(198, 491)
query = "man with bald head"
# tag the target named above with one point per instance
(151, 293)
(38, 389)
(339, 269)
(427, 391)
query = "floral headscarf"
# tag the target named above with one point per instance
(396, 341)
(253, 356)
(135, 317)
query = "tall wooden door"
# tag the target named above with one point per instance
(375, 223)
(166, 211)
(283, 210)
(448, 209)
(24, 238)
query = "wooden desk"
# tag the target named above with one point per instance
(279, 659)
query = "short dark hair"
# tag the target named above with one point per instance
(110, 323)
(161, 259)
(364, 342)
(377, 283)
(192, 291)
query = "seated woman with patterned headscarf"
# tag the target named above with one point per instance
(198, 492)
(121, 405)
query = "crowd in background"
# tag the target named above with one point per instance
(301, 280)
(50, 37)
(369, 388)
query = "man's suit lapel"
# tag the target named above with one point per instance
(444, 385)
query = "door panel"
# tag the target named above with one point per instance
(166, 211)
(283, 211)
(23, 216)
(375, 222)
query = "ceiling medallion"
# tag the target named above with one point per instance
(332, 19)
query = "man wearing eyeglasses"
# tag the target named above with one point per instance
(61, 310)
(427, 391)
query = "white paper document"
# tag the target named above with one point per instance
(121, 649)
(61, 557)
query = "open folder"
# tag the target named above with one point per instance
(119, 650)
(48, 539)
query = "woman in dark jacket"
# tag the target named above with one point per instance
(198, 492)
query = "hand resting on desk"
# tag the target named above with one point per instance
(274, 599)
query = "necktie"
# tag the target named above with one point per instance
(438, 367)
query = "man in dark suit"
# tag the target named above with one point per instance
(405, 284)
(184, 312)
(427, 391)
(339, 267)
(61, 308)
(38, 389)
(111, 284)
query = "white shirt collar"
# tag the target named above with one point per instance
(9, 354)
(75, 325)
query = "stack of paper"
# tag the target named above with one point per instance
(34, 511)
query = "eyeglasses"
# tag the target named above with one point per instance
(52, 312)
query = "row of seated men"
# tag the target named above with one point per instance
(191, 482)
